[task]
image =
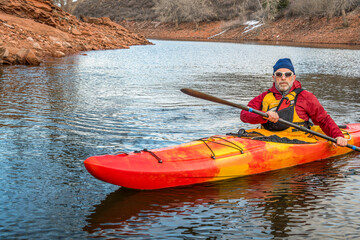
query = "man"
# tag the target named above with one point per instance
(287, 100)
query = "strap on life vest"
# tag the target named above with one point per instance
(285, 102)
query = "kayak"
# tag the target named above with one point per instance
(217, 158)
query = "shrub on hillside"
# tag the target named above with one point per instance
(320, 8)
(117, 10)
(184, 11)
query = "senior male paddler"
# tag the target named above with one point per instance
(287, 100)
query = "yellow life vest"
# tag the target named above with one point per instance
(285, 107)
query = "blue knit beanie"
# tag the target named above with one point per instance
(284, 63)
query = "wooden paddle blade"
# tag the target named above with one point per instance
(205, 96)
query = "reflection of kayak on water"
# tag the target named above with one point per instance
(216, 158)
(271, 196)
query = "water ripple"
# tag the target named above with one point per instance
(54, 116)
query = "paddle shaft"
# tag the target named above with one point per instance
(205, 96)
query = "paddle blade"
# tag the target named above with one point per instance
(207, 97)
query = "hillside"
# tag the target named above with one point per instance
(285, 31)
(229, 21)
(32, 30)
(143, 10)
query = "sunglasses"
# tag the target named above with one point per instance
(280, 74)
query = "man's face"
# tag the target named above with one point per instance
(284, 79)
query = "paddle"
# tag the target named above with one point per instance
(205, 96)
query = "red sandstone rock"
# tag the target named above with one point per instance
(27, 57)
(3, 53)
(75, 31)
(31, 58)
(45, 30)
(58, 54)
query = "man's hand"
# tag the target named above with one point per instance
(273, 116)
(340, 141)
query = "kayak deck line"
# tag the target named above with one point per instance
(154, 155)
(213, 156)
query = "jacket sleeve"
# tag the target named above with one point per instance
(320, 117)
(254, 118)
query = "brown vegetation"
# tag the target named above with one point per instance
(184, 11)
(31, 30)
(117, 10)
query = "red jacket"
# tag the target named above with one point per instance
(307, 106)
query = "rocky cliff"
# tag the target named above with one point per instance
(32, 30)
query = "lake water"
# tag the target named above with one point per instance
(55, 116)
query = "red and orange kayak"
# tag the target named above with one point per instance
(216, 158)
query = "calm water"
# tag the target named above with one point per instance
(54, 116)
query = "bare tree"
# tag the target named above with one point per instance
(344, 5)
(184, 11)
(271, 9)
(264, 10)
(323, 8)
(197, 10)
(168, 11)
(228, 9)
(309, 8)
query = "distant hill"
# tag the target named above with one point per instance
(180, 11)
(294, 21)
(142, 10)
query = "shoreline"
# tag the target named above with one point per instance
(349, 46)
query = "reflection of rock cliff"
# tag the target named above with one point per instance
(34, 29)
